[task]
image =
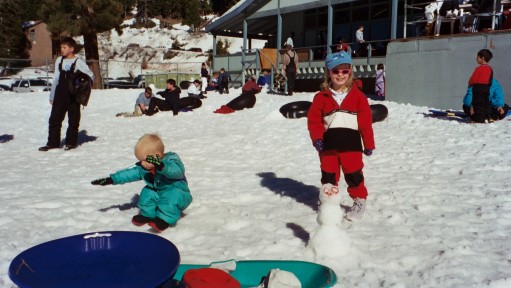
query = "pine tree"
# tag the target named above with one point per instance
(28, 10)
(14, 43)
(176, 8)
(205, 7)
(127, 6)
(87, 18)
(221, 6)
(191, 14)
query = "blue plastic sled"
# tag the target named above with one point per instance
(250, 272)
(101, 259)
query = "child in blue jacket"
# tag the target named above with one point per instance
(496, 100)
(166, 193)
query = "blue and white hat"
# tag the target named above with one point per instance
(338, 58)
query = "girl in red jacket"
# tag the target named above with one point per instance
(340, 127)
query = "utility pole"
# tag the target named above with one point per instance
(145, 13)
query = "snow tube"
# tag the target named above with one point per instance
(189, 103)
(379, 112)
(296, 109)
(245, 100)
(101, 259)
(184, 84)
(250, 272)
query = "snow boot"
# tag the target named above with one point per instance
(357, 210)
(158, 224)
(139, 220)
(47, 147)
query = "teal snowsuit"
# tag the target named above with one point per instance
(166, 193)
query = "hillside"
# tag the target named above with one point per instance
(127, 52)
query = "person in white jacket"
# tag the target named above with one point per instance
(379, 85)
(194, 90)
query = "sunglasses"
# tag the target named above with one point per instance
(343, 71)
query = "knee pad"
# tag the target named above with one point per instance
(328, 177)
(354, 179)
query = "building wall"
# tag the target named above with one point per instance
(435, 72)
(40, 38)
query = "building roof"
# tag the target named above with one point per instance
(261, 22)
(231, 22)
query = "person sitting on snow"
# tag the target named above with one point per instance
(143, 100)
(251, 86)
(166, 193)
(170, 101)
(498, 108)
(194, 90)
(263, 78)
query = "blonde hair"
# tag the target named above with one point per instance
(149, 144)
(328, 81)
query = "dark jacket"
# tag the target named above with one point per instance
(170, 96)
(204, 72)
(224, 78)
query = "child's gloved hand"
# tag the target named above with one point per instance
(319, 144)
(155, 160)
(103, 181)
(368, 152)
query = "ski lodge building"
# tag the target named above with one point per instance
(423, 70)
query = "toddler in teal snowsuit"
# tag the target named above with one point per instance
(166, 193)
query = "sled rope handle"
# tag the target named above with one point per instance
(23, 263)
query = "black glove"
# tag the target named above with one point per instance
(156, 161)
(103, 181)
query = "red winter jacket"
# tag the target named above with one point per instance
(342, 128)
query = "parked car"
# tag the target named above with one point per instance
(195, 49)
(139, 80)
(30, 85)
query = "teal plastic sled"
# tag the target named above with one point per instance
(250, 272)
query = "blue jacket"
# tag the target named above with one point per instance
(263, 80)
(496, 95)
(223, 76)
(172, 175)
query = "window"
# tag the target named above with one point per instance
(38, 83)
(342, 16)
(360, 14)
(380, 11)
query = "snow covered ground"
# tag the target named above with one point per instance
(438, 213)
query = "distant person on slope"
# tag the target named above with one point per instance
(143, 100)
(60, 98)
(498, 108)
(170, 101)
(379, 85)
(204, 74)
(194, 90)
(480, 82)
(223, 81)
(340, 127)
(290, 67)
